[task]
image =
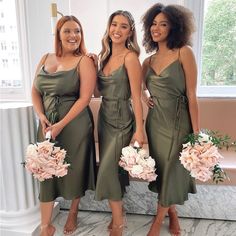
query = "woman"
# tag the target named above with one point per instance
(170, 77)
(119, 79)
(62, 90)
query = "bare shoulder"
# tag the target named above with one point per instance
(186, 51)
(86, 61)
(146, 61)
(44, 57)
(131, 56)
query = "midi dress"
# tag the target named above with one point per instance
(167, 125)
(115, 130)
(59, 91)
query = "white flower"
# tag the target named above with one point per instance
(137, 170)
(128, 151)
(151, 162)
(138, 163)
(204, 138)
(31, 151)
(142, 153)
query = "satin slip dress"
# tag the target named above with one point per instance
(115, 130)
(167, 125)
(59, 91)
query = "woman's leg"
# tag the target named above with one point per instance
(158, 220)
(117, 218)
(71, 222)
(174, 226)
(46, 209)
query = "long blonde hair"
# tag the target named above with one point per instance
(131, 42)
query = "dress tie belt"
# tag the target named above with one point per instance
(182, 99)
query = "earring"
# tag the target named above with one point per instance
(129, 43)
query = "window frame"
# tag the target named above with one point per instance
(197, 7)
(20, 94)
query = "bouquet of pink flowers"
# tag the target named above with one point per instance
(200, 156)
(44, 160)
(138, 163)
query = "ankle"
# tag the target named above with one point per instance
(47, 229)
(117, 230)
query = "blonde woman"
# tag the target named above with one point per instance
(62, 88)
(119, 79)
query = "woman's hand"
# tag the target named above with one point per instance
(149, 102)
(94, 57)
(55, 130)
(44, 122)
(139, 137)
(146, 97)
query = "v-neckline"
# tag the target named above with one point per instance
(164, 69)
(114, 71)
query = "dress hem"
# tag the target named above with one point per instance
(66, 198)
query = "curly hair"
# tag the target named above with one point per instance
(181, 26)
(131, 42)
(58, 47)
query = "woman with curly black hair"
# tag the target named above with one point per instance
(170, 78)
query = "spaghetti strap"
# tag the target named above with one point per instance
(150, 60)
(179, 54)
(43, 63)
(77, 66)
(126, 55)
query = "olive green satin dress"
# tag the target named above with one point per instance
(59, 92)
(115, 130)
(167, 125)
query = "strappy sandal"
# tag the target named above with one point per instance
(109, 227)
(117, 230)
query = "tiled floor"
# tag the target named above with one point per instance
(95, 223)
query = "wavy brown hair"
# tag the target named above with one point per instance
(131, 43)
(58, 47)
(181, 26)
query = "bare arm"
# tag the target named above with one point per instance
(93, 56)
(145, 93)
(37, 100)
(190, 70)
(134, 70)
(87, 85)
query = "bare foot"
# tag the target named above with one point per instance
(155, 228)
(117, 230)
(71, 223)
(174, 226)
(109, 227)
(47, 230)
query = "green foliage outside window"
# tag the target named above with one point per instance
(219, 44)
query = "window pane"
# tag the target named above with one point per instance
(10, 69)
(219, 43)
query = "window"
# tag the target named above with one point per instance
(13, 51)
(218, 68)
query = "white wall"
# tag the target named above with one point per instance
(94, 15)
(40, 38)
